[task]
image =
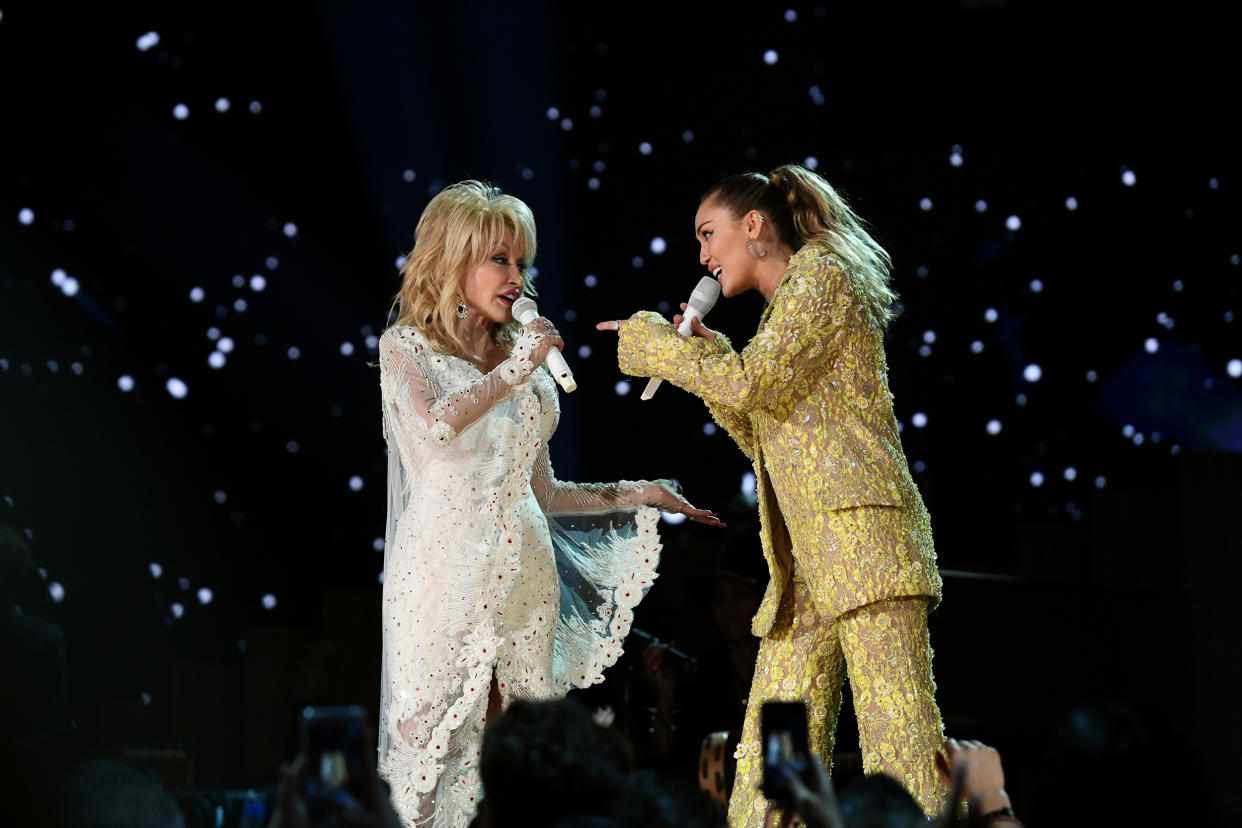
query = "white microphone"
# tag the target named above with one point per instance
(525, 311)
(703, 299)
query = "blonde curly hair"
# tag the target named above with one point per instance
(460, 227)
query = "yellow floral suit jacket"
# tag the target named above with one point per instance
(807, 400)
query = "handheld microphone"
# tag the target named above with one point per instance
(703, 299)
(525, 311)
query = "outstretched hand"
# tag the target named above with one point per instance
(666, 495)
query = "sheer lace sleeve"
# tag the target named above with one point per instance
(557, 497)
(801, 330)
(418, 381)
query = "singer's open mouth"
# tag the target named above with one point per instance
(509, 298)
(717, 272)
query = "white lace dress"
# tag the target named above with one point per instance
(493, 567)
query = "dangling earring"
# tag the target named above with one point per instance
(750, 245)
(462, 310)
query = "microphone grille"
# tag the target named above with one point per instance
(523, 306)
(705, 293)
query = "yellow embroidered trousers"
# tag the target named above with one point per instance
(884, 648)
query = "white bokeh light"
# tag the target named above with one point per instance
(290, 229)
(258, 282)
(918, 419)
(294, 352)
(981, 206)
(1127, 431)
(378, 544)
(59, 276)
(177, 610)
(1151, 345)
(225, 345)
(26, 216)
(1070, 473)
(269, 601)
(622, 388)
(205, 595)
(709, 429)
(770, 57)
(590, 280)
(553, 113)
(925, 351)
(955, 159)
(1092, 376)
(216, 360)
(925, 204)
(1101, 482)
(177, 388)
(1234, 368)
(1037, 479)
(990, 315)
(220, 497)
(1036, 286)
(994, 427)
(1032, 373)
(57, 591)
(929, 337)
(658, 245)
(1129, 178)
(347, 349)
(645, 148)
(181, 112)
(748, 483)
(148, 41)
(584, 351)
(125, 382)
(567, 124)
(156, 570)
(1013, 223)
(222, 104)
(790, 15)
(197, 294)
(355, 483)
(976, 347)
(255, 107)
(1071, 204)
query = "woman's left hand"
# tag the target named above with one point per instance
(666, 495)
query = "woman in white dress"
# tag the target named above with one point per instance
(500, 581)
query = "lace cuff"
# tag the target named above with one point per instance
(519, 366)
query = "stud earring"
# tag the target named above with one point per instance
(463, 311)
(750, 245)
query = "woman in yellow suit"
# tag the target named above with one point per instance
(845, 533)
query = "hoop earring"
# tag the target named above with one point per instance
(750, 245)
(462, 310)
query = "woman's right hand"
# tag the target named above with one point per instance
(697, 327)
(546, 336)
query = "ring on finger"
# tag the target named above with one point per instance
(616, 325)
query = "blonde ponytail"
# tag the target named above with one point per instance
(803, 208)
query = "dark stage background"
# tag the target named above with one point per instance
(211, 200)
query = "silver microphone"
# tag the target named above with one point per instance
(703, 299)
(525, 311)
